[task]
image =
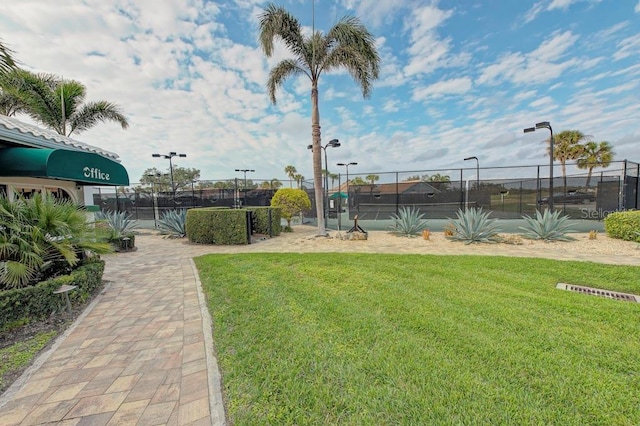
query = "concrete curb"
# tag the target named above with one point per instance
(216, 402)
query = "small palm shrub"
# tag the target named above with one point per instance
(172, 223)
(474, 226)
(120, 223)
(547, 226)
(408, 222)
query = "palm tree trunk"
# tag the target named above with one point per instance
(317, 158)
(589, 177)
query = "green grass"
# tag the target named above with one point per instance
(408, 339)
(19, 355)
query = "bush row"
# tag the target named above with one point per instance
(623, 225)
(39, 301)
(228, 226)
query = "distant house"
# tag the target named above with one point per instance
(37, 160)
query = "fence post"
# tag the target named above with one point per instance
(622, 200)
(461, 192)
(538, 189)
(397, 194)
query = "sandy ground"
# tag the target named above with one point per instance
(602, 249)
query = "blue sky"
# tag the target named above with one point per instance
(459, 78)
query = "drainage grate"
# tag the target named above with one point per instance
(599, 292)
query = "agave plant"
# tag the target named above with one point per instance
(120, 223)
(547, 226)
(172, 223)
(408, 222)
(474, 226)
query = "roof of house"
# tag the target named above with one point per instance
(393, 188)
(16, 132)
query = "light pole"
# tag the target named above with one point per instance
(477, 177)
(333, 143)
(546, 125)
(169, 157)
(245, 181)
(346, 165)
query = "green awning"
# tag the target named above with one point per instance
(77, 166)
(338, 195)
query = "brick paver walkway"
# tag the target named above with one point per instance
(137, 356)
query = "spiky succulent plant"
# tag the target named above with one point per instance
(474, 226)
(173, 223)
(547, 226)
(408, 222)
(120, 223)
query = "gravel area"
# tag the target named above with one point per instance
(602, 249)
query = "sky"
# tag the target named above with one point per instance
(458, 78)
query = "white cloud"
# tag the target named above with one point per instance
(426, 50)
(541, 65)
(637, 8)
(375, 11)
(456, 86)
(628, 47)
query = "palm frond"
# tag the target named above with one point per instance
(277, 22)
(92, 113)
(279, 74)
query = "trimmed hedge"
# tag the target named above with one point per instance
(38, 301)
(216, 226)
(623, 225)
(261, 215)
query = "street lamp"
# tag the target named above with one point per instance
(477, 170)
(333, 143)
(245, 181)
(346, 165)
(169, 157)
(546, 125)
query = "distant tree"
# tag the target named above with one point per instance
(291, 172)
(594, 155)
(334, 177)
(357, 181)
(291, 202)
(436, 178)
(412, 178)
(567, 147)
(60, 104)
(372, 179)
(347, 45)
(182, 178)
(299, 179)
(224, 184)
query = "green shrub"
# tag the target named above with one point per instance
(547, 226)
(216, 226)
(623, 225)
(292, 202)
(474, 226)
(408, 222)
(261, 216)
(39, 301)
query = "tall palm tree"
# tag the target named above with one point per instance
(594, 155)
(59, 104)
(299, 179)
(348, 44)
(567, 147)
(334, 178)
(291, 172)
(14, 85)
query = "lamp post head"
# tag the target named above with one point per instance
(173, 154)
(471, 158)
(543, 125)
(310, 147)
(182, 155)
(340, 164)
(529, 129)
(156, 155)
(333, 143)
(353, 164)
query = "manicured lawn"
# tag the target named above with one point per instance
(408, 339)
